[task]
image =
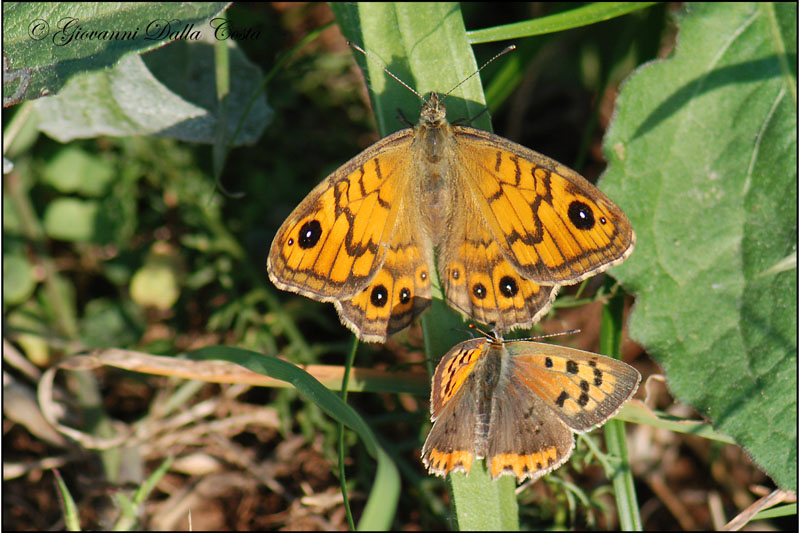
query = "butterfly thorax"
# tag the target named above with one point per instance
(432, 148)
(432, 132)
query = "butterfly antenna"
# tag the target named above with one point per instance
(380, 63)
(505, 50)
(560, 333)
(493, 336)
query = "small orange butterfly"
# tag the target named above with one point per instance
(516, 404)
(502, 225)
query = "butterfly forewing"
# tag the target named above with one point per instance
(333, 243)
(582, 388)
(551, 224)
(451, 443)
(453, 370)
(355, 242)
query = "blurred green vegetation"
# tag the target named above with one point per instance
(128, 242)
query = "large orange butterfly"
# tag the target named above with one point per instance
(505, 226)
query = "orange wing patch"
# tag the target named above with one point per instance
(523, 466)
(398, 293)
(551, 224)
(446, 462)
(480, 282)
(451, 373)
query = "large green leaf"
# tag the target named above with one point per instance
(703, 158)
(87, 59)
(170, 92)
(47, 44)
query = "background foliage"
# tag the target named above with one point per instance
(116, 235)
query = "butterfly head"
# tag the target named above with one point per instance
(494, 337)
(433, 113)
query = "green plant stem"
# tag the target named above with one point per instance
(566, 20)
(614, 430)
(68, 507)
(342, 478)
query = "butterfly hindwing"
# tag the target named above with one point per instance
(480, 282)
(398, 293)
(525, 439)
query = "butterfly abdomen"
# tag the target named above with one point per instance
(489, 376)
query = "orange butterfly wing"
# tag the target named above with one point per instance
(352, 229)
(478, 279)
(551, 224)
(399, 292)
(583, 389)
(455, 409)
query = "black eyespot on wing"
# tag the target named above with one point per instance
(405, 295)
(581, 215)
(479, 291)
(379, 296)
(508, 287)
(309, 234)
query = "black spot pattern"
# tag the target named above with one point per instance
(379, 296)
(479, 291)
(581, 215)
(309, 234)
(508, 287)
(405, 295)
(563, 397)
